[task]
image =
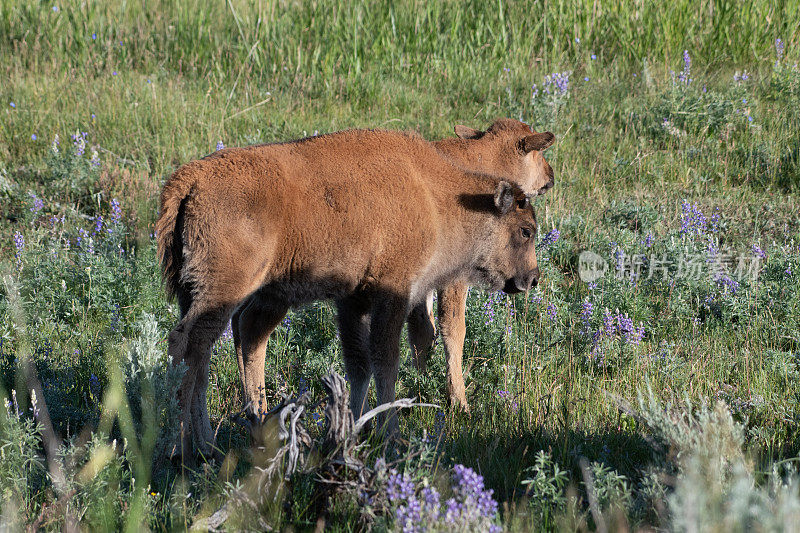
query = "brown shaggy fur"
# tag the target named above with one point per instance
(373, 220)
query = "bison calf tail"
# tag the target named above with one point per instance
(169, 231)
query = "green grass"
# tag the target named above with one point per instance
(162, 84)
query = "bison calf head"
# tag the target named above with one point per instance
(511, 150)
(507, 252)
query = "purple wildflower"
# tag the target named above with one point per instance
(19, 245)
(220, 146)
(758, 252)
(648, 240)
(399, 486)
(593, 57)
(741, 77)
(94, 36)
(79, 141)
(694, 222)
(587, 308)
(727, 284)
(38, 204)
(550, 238)
(13, 105)
(552, 312)
(98, 224)
(684, 75)
(33, 137)
(779, 48)
(488, 307)
(116, 214)
(556, 83)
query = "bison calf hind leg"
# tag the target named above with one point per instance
(252, 325)
(190, 341)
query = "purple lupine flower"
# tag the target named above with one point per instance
(94, 385)
(684, 75)
(534, 91)
(694, 222)
(536, 298)
(55, 9)
(95, 160)
(552, 312)
(33, 136)
(556, 83)
(79, 141)
(38, 204)
(116, 214)
(98, 224)
(488, 307)
(593, 57)
(758, 252)
(727, 284)
(94, 36)
(84, 241)
(550, 238)
(648, 240)
(779, 48)
(220, 146)
(13, 105)
(741, 77)
(19, 245)
(56, 142)
(430, 497)
(503, 394)
(608, 322)
(399, 486)
(587, 308)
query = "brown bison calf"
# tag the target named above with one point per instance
(373, 220)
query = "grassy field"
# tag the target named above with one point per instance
(667, 399)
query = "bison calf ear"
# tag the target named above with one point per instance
(465, 132)
(504, 197)
(538, 142)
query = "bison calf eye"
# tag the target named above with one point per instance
(526, 233)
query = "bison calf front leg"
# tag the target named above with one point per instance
(353, 315)
(452, 321)
(386, 324)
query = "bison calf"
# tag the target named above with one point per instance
(374, 220)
